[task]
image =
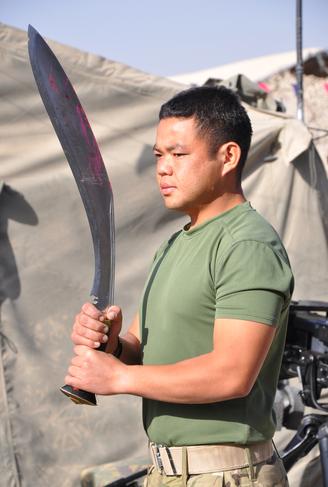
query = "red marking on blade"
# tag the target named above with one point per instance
(84, 124)
(53, 83)
(95, 158)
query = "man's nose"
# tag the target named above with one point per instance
(164, 165)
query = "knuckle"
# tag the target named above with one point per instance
(77, 332)
(89, 355)
(85, 307)
(83, 318)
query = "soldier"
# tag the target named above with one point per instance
(204, 350)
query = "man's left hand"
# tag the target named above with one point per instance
(94, 371)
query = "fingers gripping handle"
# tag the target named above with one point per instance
(78, 396)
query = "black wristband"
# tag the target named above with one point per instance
(118, 350)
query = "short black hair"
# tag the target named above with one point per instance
(219, 115)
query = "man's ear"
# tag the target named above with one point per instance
(230, 155)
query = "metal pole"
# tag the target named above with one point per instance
(299, 63)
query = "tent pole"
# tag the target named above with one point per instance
(299, 63)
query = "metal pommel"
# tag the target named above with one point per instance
(78, 396)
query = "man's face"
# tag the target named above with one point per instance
(188, 177)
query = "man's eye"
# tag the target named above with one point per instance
(157, 155)
(179, 154)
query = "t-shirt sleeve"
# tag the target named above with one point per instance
(252, 282)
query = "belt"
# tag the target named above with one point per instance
(208, 458)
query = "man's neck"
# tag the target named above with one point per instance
(223, 203)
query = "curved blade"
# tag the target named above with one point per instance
(81, 149)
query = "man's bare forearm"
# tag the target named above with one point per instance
(227, 372)
(131, 349)
(198, 380)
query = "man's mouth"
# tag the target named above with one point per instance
(167, 189)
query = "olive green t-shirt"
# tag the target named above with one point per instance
(232, 266)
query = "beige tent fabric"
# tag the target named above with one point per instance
(255, 68)
(46, 259)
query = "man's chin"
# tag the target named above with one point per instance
(171, 205)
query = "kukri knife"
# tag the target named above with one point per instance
(82, 153)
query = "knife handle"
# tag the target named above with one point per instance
(78, 396)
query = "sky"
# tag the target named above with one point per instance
(169, 37)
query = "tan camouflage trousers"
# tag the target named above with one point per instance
(266, 474)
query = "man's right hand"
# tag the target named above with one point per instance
(89, 328)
